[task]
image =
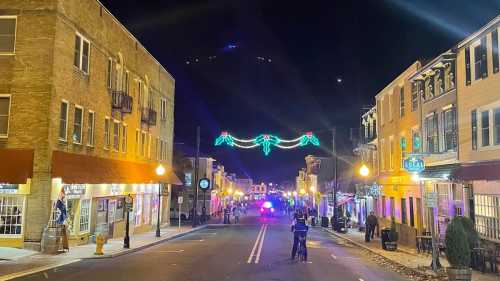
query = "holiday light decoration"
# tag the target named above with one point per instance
(266, 141)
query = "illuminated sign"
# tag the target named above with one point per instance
(74, 190)
(204, 184)
(8, 188)
(188, 179)
(414, 164)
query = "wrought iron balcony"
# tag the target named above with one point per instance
(148, 116)
(121, 101)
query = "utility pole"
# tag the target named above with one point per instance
(334, 155)
(196, 179)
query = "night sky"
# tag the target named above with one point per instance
(305, 49)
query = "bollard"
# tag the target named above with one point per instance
(99, 243)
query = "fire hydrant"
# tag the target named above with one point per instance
(99, 243)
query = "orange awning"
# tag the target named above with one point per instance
(77, 168)
(16, 165)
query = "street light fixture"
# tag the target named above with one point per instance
(160, 171)
(364, 171)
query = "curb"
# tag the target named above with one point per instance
(416, 271)
(128, 251)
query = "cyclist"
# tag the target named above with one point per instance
(299, 229)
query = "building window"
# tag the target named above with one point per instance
(78, 125)
(7, 34)
(149, 146)
(143, 144)
(90, 128)
(485, 128)
(11, 212)
(109, 71)
(84, 215)
(382, 154)
(416, 141)
(450, 132)
(403, 210)
(124, 138)
(390, 107)
(107, 132)
(157, 148)
(82, 53)
(496, 125)
(414, 96)
(431, 126)
(477, 62)
(126, 82)
(391, 153)
(4, 115)
(474, 129)
(137, 142)
(487, 220)
(163, 109)
(402, 102)
(63, 122)
(116, 136)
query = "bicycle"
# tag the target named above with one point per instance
(302, 249)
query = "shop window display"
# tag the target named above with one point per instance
(11, 214)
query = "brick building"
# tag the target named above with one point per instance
(86, 109)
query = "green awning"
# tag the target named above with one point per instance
(442, 172)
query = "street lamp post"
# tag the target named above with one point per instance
(160, 171)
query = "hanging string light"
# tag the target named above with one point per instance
(266, 141)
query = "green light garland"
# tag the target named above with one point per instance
(266, 141)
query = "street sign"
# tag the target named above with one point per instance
(431, 200)
(414, 164)
(129, 204)
(204, 184)
(180, 199)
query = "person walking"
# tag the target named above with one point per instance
(237, 214)
(371, 223)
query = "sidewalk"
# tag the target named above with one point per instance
(407, 257)
(18, 262)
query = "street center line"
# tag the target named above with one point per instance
(255, 244)
(257, 258)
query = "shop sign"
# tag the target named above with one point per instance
(129, 204)
(204, 184)
(414, 164)
(431, 199)
(8, 188)
(74, 190)
(180, 199)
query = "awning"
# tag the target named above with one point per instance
(440, 172)
(16, 165)
(77, 168)
(478, 171)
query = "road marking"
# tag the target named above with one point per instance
(36, 270)
(169, 251)
(361, 279)
(257, 258)
(255, 244)
(334, 256)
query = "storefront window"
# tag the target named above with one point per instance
(138, 208)
(84, 215)
(119, 209)
(147, 208)
(72, 205)
(487, 212)
(154, 209)
(11, 214)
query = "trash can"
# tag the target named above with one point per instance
(324, 221)
(384, 237)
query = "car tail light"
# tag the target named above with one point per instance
(261, 210)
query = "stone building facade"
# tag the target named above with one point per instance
(85, 109)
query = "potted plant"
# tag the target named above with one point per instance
(458, 251)
(391, 243)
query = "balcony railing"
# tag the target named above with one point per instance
(121, 101)
(148, 116)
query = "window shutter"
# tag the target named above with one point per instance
(454, 126)
(494, 47)
(484, 60)
(467, 66)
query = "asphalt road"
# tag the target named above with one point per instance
(231, 253)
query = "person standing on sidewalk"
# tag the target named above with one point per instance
(371, 223)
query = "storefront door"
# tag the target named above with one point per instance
(111, 216)
(102, 217)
